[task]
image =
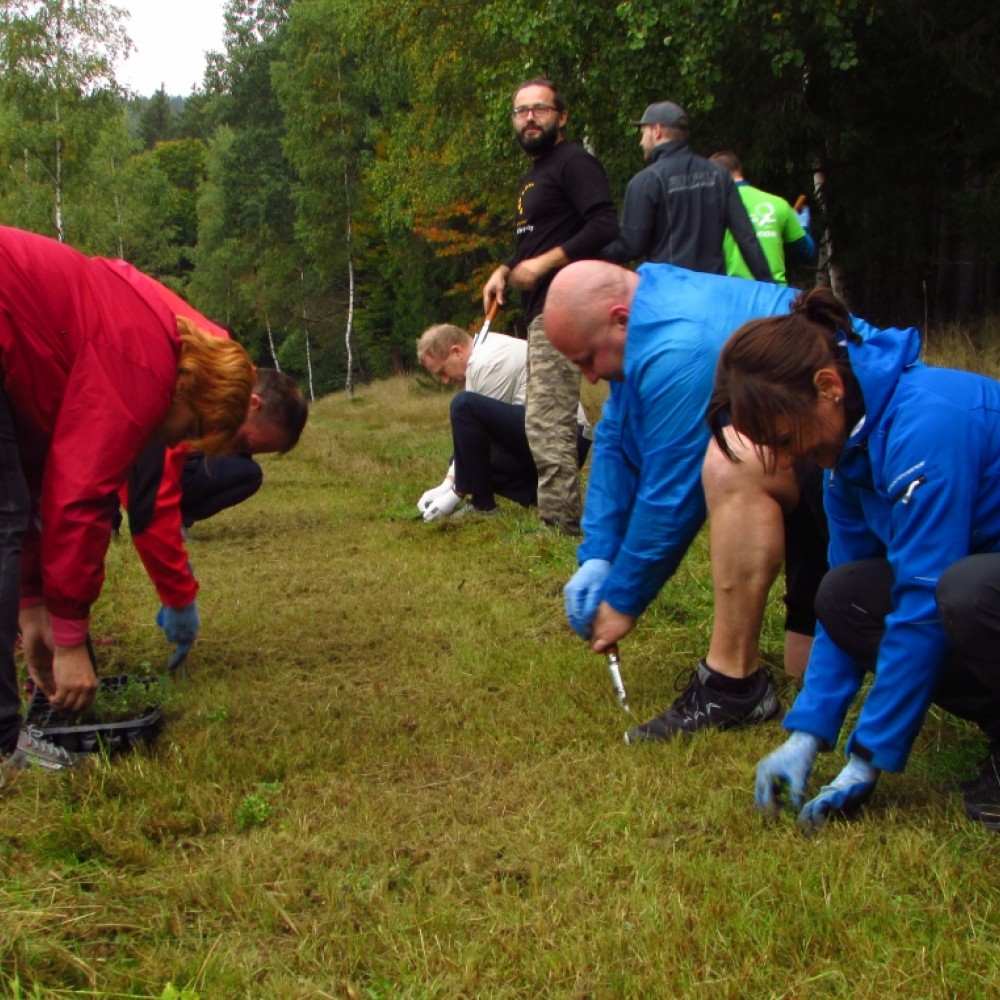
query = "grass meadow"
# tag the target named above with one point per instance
(391, 771)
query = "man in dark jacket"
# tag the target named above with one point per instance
(677, 210)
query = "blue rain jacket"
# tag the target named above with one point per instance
(644, 500)
(918, 482)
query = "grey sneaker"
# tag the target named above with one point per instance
(35, 752)
(703, 707)
(471, 513)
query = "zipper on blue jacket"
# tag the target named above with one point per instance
(906, 494)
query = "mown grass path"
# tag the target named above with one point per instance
(392, 772)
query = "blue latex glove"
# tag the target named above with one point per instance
(849, 789)
(180, 625)
(583, 594)
(804, 217)
(786, 771)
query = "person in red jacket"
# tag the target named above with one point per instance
(172, 487)
(91, 370)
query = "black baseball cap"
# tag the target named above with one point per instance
(664, 113)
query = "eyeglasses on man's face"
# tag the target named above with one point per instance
(538, 110)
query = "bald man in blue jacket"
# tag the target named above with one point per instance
(655, 335)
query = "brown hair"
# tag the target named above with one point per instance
(282, 404)
(542, 81)
(215, 378)
(766, 368)
(728, 159)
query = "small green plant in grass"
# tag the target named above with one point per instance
(171, 992)
(256, 809)
(18, 992)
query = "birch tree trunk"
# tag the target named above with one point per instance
(348, 333)
(60, 231)
(270, 341)
(305, 333)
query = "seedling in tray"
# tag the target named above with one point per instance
(125, 711)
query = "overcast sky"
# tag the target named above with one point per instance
(171, 38)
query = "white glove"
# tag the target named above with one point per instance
(443, 505)
(431, 495)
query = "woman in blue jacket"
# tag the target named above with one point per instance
(913, 503)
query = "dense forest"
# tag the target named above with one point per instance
(344, 175)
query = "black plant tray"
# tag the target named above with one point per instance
(65, 729)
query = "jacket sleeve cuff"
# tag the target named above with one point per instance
(68, 631)
(32, 601)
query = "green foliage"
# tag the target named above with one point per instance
(354, 158)
(171, 992)
(57, 83)
(132, 699)
(183, 163)
(156, 123)
(257, 807)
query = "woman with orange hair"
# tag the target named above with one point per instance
(91, 370)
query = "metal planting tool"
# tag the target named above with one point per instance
(614, 669)
(485, 328)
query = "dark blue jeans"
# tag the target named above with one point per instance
(491, 451)
(492, 457)
(209, 485)
(13, 519)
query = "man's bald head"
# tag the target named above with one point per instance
(586, 316)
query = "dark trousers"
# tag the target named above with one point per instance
(209, 485)
(13, 520)
(853, 602)
(491, 454)
(491, 451)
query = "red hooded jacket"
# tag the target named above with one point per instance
(160, 543)
(89, 366)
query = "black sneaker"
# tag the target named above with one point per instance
(982, 800)
(702, 707)
(988, 771)
(571, 528)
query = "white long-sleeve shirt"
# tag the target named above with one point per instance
(497, 368)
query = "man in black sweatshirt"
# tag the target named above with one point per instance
(564, 213)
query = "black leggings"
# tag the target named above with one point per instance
(853, 602)
(806, 541)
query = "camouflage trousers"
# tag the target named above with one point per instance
(550, 425)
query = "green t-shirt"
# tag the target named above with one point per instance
(776, 224)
